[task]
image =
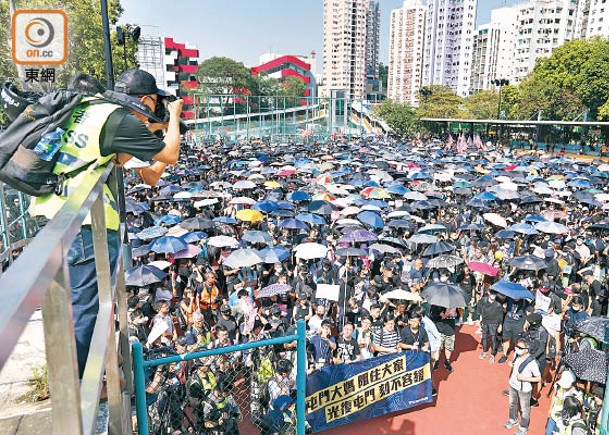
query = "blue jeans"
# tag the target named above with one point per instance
(83, 280)
(551, 426)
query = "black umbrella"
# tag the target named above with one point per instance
(197, 224)
(437, 248)
(143, 275)
(351, 252)
(596, 327)
(528, 262)
(589, 364)
(445, 295)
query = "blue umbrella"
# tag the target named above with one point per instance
(397, 189)
(265, 206)
(258, 237)
(485, 196)
(371, 219)
(285, 205)
(226, 220)
(535, 218)
(167, 244)
(527, 229)
(283, 213)
(311, 218)
(144, 275)
(293, 224)
(193, 237)
(299, 195)
(580, 183)
(151, 233)
(512, 290)
(320, 207)
(168, 219)
(170, 190)
(274, 254)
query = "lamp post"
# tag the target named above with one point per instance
(129, 31)
(501, 83)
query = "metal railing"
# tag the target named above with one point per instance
(39, 277)
(140, 365)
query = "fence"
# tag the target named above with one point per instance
(239, 389)
(16, 227)
(39, 277)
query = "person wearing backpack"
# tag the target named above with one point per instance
(525, 372)
(96, 135)
(572, 421)
(564, 387)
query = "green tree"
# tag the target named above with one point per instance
(292, 88)
(438, 101)
(483, 105)
(383, 74)
(400, 117)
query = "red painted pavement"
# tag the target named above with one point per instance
(469, 400)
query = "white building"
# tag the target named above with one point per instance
(407, 36)
(494, 46)
(594, 18)
(449, 43)
(544, 25)
(345, 47)
(373, 38)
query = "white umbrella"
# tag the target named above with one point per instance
(552, 228)
(223, 242)
(402, 295)
(244, 184)
(243, 200)
(309, 251)
(415, 196)
(160, 264)
(495, 219)
(348, 222)
(182, 195)
(243, 258)
(543, 190)
(557, 184)
(205, 202)
(351, 210)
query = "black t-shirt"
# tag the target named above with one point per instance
(125, 133)
(230, 324)
(347, 350)
(301, 312)
(409, 337)
(445, 326)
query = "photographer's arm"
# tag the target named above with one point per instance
(171, 152)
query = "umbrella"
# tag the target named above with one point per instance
(299, 195)
(243, 258)
(551, 228)
(274, 254)
(512, 290)
(528, 262)
(194, 236)
(274, 290)
(444, 261)
(371, 219)
(244, 184)
(309, 251)
(160, 264)
(258, 237)
(589, 364)
(358, 236)
(144, 275)
(293, 224)
(403, 295)
(374, 192)
(432, 228)
(527, 229)
(167, 220)
(243, 200)
(311, 218)
(483, 268)
(398, 243)
(167, 244)
(351, 252)
(151, 233)
(384, 249)
(436, 248)
(249, 215)
(265, 206)
(190, 252)
(320, 207)
(445, 295)
(422, 239)
(596, 327)
(225, 220)
(223, 242)
(495, 219)
(197, 223)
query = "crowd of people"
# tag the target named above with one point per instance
(401, 231)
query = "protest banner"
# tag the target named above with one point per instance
(346, 393)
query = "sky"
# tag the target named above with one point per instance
(245, 29)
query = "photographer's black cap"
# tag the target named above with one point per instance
(138, 82)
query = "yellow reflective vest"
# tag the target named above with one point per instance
(80, 148)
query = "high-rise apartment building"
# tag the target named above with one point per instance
(594, 18)
(345, 30)
(494, 45)
(406, 39)
(373, 38)
(449, 43)
(544, 25)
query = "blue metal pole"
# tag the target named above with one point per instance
(301, 377)
(140, 388)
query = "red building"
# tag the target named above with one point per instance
(181, 62)
(288, 66)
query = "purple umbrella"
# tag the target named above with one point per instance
(357, 236)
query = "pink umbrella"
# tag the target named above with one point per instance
(189, 252)
(483, 268)
(286, 172)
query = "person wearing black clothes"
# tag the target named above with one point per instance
(227, 320)
(491, 316)
(537, 336)
(445, 321)
(513, 324)
(595, 290)
(347, 348)
(413, 337)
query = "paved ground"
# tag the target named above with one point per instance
(469, 401)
